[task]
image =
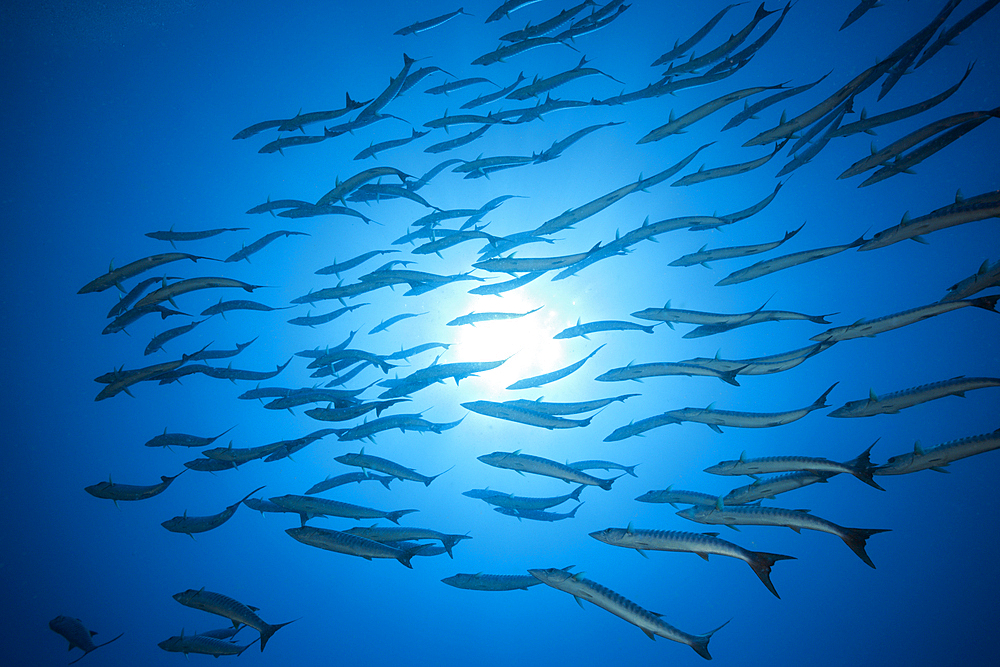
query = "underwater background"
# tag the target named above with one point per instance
(121, 118)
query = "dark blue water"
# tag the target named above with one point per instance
(120, 118)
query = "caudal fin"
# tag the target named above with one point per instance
(394, 516)
(761, 562)
(700, 642)
(269, 630)
(856, 538)
(862, 467)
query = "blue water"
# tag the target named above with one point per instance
(119, 121)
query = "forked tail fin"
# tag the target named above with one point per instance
(761, 562)
(856, 538)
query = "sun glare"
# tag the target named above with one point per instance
(526, 340)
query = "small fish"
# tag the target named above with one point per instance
(203, 645)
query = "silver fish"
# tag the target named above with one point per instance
(78, 636)
(890, 404)
(227, 607)
(937, 458)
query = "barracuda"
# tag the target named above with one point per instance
(890, 404)
(704, 256)
(398, 533)
(775, 264)
(871, 328)
(491, 582)
(111, 491)
(703, 174)
(636, 372)
(797, 520)
(352, 545)
(567, 408)
(546, 378)
(715, 419)
(200, 524)
(625, 609)
(369, 462)
(114, 277)
(309, 507)
(421, 26)
(673, 496)
(678, 125)
(937, 458)
(860, 466)
(474, 317)
(537, 465)
(769, 488)
(521, 415)
(702, 544)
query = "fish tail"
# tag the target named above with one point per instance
(449, 541)
(987, 302)
(863, 468)
(576, 494)
(269, 630)
(700, 642)
(821, 401)
(856, 538)
(729, 377)
(761, 562)
(394, 516)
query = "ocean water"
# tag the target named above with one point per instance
(121, 118)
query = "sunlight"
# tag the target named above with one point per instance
(528, 340)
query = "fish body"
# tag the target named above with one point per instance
(227, 607)
(159, 339)
(173, 290)
(200, 524)
(348, 478)
(399, 533)
(567, 408)
(797, 520)
(704, 256)
(310, 506)
(75, 632)
(491, 582)
(116, 492)
(680, 48)
(203, 645)
(522, 503)
(770, 487)
(605, 598)
(552, 376)
(859, 466)
(678, 125)
(674, 496)
(871, 328)
(521, 415)
(369, 462)
(374, 149)
(541, 466)
(937, 458)
(583, 330)
(421, 26)
(703, 174)
(538, 515)
(638, 371)
(302, 119)
(702, 544)
(769, 266)
(893, 402)
(345, 543)
(474, 317)
(715, 419)
(987, 276)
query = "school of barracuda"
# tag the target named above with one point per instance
(315, 380)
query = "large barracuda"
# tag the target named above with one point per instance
(703, 174)
(200, 524)
(871, 328)
(514, 265)
(704, 256)
(715, 419)
(398, 533)
(567, 408)
(638, 371)
(582, 330)
(674, 496)
(702, 544)
(678, 125)
(937, 458)
(537, 465)
(227, 607)
(116, 492)
(202, 645)
(173, 236)
(523, 415)
(114, 276)
(962, 211)
(421, 26)
(860, 466)
(333, 540)
(302, 119)
(159, 339)
(125, 379)
(537, 515)
(769, 488)
(491, 582)
(309, 507)
(344, 188)
(539, 86)
(546, 378)
(374, 149)
(521, 503)
(769, 266)
(371, 112)
(605, 598)
(722, 50)
(716, 322)
(750, 110)
(680, 48)
(169, 292)
(797, 520)
(890, 404)
(987, 276)
(474, 317)
(369, 462)
(348, 478)
(76, 633)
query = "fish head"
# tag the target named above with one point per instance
(186, 597)
(695, 513)
(609, 535)
(172, 644)
(494, 459)
(552, 576)
(721, 468)
(480, 494)
(97, 490)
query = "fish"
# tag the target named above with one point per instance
(200, 524)
(338, 267)
(770, 487)
(702, 544)
(443, 146)
(279, 145)
(680, 48)
(474, 317)
(351, 412)
(369, 462)
(750, 110)
(859, 11)
(347, 478)
(492, 582)
(397, 533)
(582, 330)
(797, 520)
(678, 125)
(938, 457)
(159, 339)
(540, 86)
(947, 36)
(545, 27)
(270, 206)
(494, 96)
(371, 112)
(111, 491)
(703, 174)
(987, 276)
(374, 149)
(963, 211)
(234, 374)
(872, 328)
(451, 86)
(422, 26)
(222, 307)
(204, 355)
(704, 256)
(605, 598)
(333, 540)
(567, 408)
(114, 277)
(227, 607)
(309, 507)
(675, 496)
(126, 379)
(715, 419)
(538, 515)
(538, 465)
(203, 645)
(314, 320)
(769, 266)
(592, 464)
(521, 503)
(721, 51)
(173, 236)
(507, 7)
(907, 53)
(638, 371)
(514, 265)
(385, 324)
(344, 188)
(247, 250)
(522, 415)
(173, 290)
(76, 633)
(183, 439)
(552, 376)
(860, 466)
(893, 402)
(503, 52)
(557, 147)
(670, 315)
(302, 119)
